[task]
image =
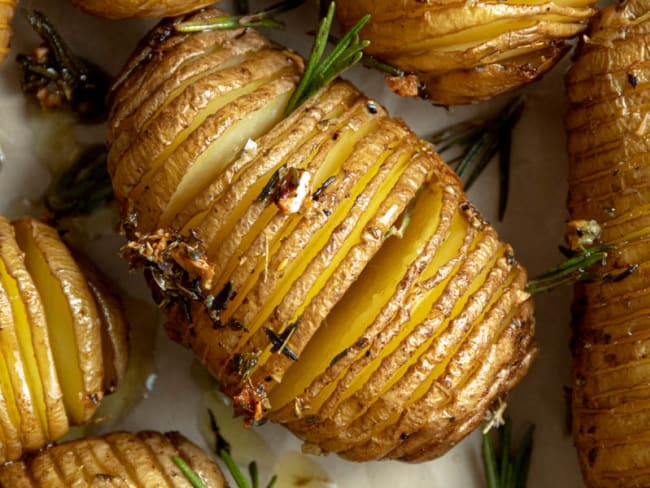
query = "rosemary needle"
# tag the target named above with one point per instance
(189, 473)
(504, 469)
(321, 71)
(265, 18)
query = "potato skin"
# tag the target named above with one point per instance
(122, 9)
(262, 281)
(608, 176)
(117, 459)
(7, 10)
(460, 53)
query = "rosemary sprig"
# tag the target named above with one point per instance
(370, 61)
(576, 268)
(502, 469)
(223, 450)
(265, 18)
(189, 473)
(321, 71)
(479, 141)
(83, 187)
(57, 77)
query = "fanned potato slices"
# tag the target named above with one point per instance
(120, 459)
(459, 52)
(52, 324)
(324, 265)
(7, 10)
(608, 130)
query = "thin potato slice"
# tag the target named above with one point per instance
(71, 316)
(120, 9)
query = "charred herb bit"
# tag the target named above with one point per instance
(280, 341)
(504, 469)
(58, 78)
(316, 195)
(191, 475)
(265, 18)
(83, 187)
(243, 364)
(479, 141)
(339, 356)
(179, 267)
(320, 71)
(271, 185)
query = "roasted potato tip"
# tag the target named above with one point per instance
(608, 173)
(141, 460)
(463, 53)
(7, 10)
(121, 9)
(52, 368)
(325, 265)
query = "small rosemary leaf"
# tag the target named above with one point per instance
(351, 38)
(505, 144)
(189, 473)
(272, 481)
(504, 442)
(373, 63)
(221, 444)
(473, 151)
(489, 150)
(235, 472)
(522, 460)
(489, 461)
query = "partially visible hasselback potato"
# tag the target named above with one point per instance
(7, 10)
(121, 9)
(465, 52)
(63, 339)
(142, 460)
(607, 124)
(325, 265)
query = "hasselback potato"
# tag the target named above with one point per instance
(62, 335)
(120, 9)
(7, 10)
(464, 52)
(325, 266)
(142, 460)
(607, 143)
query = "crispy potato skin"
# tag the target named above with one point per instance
(7, 10)
(460, 53)
(122, 9)
(119, 459)
(30, 339)
(452, 328)
(608, 177)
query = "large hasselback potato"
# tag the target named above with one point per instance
(120, 9)
(62, 338)
(121, 459)
(608, 132)
(275, 245)
(464, 52)
(7, 10)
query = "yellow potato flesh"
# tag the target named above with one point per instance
(24, 335)
(300, 263)
(215, 158)
(60, 325)
(363, 302)
(331, 165)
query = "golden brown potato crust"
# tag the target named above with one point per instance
(465, 52)
(121, 9)
(7, 10)
(608, 177)
(363, 334)
(141, 460)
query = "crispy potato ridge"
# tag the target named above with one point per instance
(52, 370)
(608, 181)
(122, 9)
(365, 335)
(7, 10)
(141, 460)
(465, 52)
